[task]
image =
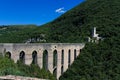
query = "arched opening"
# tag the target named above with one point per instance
(75, 56)
(45, 59)
(8, 55)
(62, 57)
(69, 58)
(34, 56)
(55, 72)
(80, 50)
(55, 58)
(62, 70)
(22, 57)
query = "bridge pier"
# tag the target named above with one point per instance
(40, 59)
(50, 60)
(59, 64)
(65, 65)
(72, 56)
(15, 57)
(28, 59)
(77, 52)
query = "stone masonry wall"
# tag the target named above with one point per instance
(28, 49)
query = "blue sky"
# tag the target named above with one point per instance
(33, 11)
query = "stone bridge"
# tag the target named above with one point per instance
(55, 57)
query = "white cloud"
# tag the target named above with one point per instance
(60, 10)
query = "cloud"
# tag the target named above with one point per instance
(60, 10)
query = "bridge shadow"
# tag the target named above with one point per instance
(22, 57)
(34, 56)
(45, 59)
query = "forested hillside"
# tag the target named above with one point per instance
(96, 61)
(14, 33)
(77, 23)
(73, 26)
(20, 33)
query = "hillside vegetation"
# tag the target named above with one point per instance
(15, 33)
(8, 67)
(20, 33)
(76, 24)
(96, 61)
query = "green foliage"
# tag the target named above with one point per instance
(97, 61)
(76, 24)
(20, 33)
(73, 26)
(8, 67)
(34, 71)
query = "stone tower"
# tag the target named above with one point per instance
(95, 37)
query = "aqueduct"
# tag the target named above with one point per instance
(55, 57)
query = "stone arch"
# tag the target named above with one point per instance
(54, 58)
(62, 61)
(62, 70)
(62, 57)
(55, 72)
(45, 59)
(22, 56)
(69, 57)
(34, 57)
(8, 54)
(75, 54)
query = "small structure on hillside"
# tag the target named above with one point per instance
(95, 37)
(35, 39)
